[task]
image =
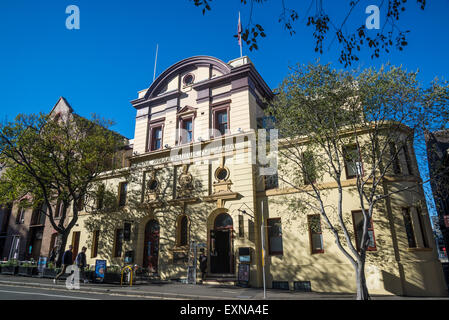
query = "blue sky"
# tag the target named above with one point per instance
(100, 67)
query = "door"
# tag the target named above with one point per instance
(75, 244)
(221, 256)
(151, 246)
(36, 242)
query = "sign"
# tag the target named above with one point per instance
(100, 270)
(41, 264)
(243, 274)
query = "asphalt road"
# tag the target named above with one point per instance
(29, 293)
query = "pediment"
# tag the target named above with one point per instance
(187, 109)
(182, 66)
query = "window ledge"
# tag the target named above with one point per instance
(419, 249)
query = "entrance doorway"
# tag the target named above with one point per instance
(221, 253)
(151, 246)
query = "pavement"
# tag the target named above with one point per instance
(168, 290)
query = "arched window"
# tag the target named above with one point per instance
(224, 220)
(183, 233)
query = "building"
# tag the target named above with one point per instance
(437, 145)
(193, 177)
(27, 233)
(438, 235)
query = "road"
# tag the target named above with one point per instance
(28, 293)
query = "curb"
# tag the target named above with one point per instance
(160, 295)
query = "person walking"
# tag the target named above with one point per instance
(203, 264)
(67, 260)
(80, 261)
(52, 256)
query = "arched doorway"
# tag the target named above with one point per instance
(221, 253)
(151, 247)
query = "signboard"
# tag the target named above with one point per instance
(100, 270)
(41, 264)
(243, 274)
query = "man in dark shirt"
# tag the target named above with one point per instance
(67, 260)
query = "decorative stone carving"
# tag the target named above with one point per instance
(184, 189)
(151, 188)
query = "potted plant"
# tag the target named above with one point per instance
(112, 275)
(50, 271)
(10, 267)
(27, 269)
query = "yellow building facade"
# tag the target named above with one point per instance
(195, 175)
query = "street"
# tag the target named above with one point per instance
(11, 292)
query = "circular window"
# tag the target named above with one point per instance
(188, 79)
(221, 173)
(152, 184)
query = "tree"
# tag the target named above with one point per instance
(336, 126)
(387, 36)
(53, 160)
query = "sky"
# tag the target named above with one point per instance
(100, 67)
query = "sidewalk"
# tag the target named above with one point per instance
(174, 291)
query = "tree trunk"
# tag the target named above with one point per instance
(60, 247)
(362, 290)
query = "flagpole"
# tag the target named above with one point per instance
(155, 62)
(240, 42)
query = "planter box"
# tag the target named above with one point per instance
(27, 271)
(112, 277)
(12, 270)
(49, 273)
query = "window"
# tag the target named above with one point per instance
(14, 251)
(59, 209)
(39, 215)
(271, 181)
(408, 161)
(241, 226)
(357, 218)
(316, 235)
(221, 121)
(118, 243)
(186, 126)
(156, 139)
(422, 227)
(183, 231)
(94, 251)
(275, 236)
(188, 79)
(100, 196)
(122, 193)
(409, 227)
(156, 129)
(308, 168)
(353, 161)
(394, 158)
(20, 215)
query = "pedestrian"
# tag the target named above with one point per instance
(80, 261)
(52, 256)
(67, 260)
(203, 264)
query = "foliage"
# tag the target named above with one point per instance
(352, 125)
(325, 25)
(52, 160)
(12, 262)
